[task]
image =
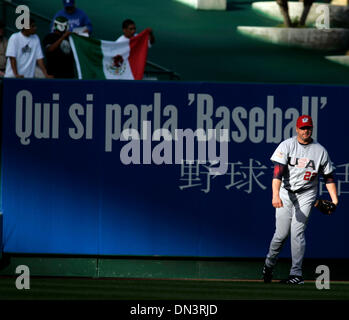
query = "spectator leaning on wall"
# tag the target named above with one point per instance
(23, 53)
(3, 46)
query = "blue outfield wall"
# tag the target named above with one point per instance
(67, 188)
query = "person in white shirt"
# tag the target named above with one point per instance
(23, 53)
(3, 46)
(129, 31)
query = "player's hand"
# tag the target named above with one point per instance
(277, 202)
(335, 201)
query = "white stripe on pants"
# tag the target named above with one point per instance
(292, 217)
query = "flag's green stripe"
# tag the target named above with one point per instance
(90, 57)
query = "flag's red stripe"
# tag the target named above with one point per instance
(138, 54)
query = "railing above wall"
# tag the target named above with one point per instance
(159, 70)
(152, 71)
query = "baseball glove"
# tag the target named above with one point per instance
(325, 206)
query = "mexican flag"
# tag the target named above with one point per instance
(100, 59)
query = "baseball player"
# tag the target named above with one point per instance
(297, 163)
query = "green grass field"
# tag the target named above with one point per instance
(146, 289)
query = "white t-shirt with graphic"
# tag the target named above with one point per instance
(304, 163)
(26, 50)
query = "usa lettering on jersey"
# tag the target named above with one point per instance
(304, 163)
(301, 163)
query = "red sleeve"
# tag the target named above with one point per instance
(329, 178)
(279, 171)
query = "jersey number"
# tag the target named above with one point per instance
(309, 176)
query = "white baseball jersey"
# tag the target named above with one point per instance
(304, 163)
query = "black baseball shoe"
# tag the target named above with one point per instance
(267, 274)
(293, 280)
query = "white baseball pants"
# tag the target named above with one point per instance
(291, 218)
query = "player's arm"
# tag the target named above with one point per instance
(331, 187)
(279, 171)
(276, 201)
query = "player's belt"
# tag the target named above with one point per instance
(298, 190)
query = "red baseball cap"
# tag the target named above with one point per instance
(304, 121)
